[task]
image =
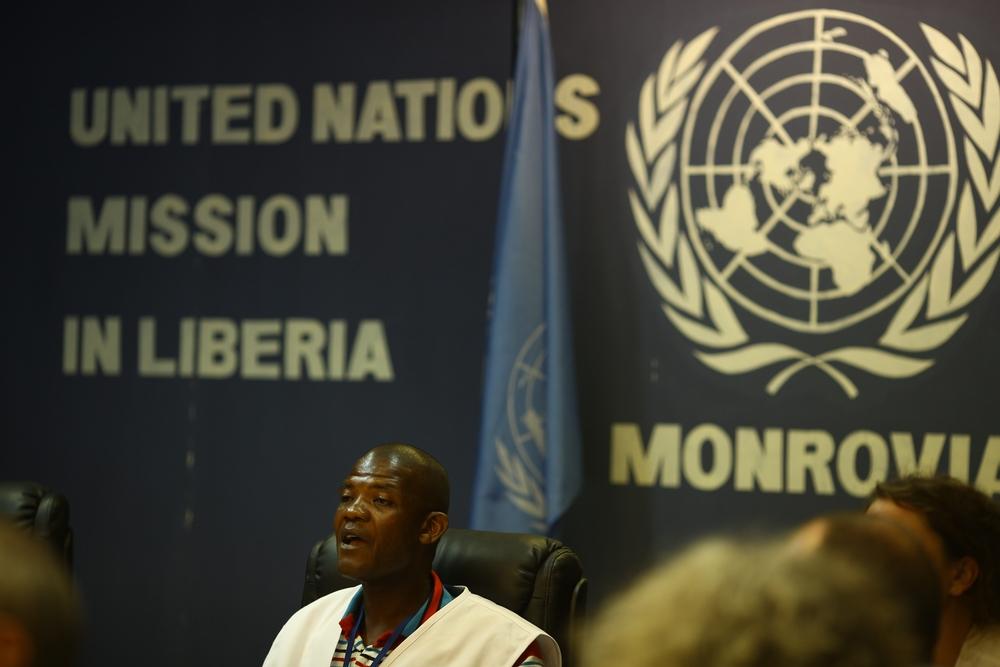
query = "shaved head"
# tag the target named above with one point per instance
(393, 511)
(425, 478)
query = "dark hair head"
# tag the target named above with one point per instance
(967, 522)
(899, 562)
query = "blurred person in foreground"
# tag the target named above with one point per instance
(893, 554)
(726, 603)
(960, 528)
(39, 610)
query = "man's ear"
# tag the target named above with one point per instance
(962, 574)
(434, 526)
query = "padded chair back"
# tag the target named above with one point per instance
(536, 577)
(42, 512)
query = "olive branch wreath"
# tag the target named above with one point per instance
(701, 312)
(522, 480)
(522, 490)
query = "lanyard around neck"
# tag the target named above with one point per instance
(386, 647)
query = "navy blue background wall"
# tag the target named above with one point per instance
(195, 498)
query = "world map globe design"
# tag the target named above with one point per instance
(817, 175)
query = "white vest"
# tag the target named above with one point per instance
(469, 630)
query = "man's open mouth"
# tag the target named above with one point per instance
(349, 539)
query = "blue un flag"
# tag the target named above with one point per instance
(529, 447)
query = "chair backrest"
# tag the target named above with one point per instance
(536, 577)
(42, 512)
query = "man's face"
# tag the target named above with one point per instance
(376, 525)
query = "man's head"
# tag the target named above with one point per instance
(960, 528)
(890, 552)
(731, 604)
(393, 510)
(39, 611)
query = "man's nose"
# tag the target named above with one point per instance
(356, 508)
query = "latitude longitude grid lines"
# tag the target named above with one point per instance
(822, 40)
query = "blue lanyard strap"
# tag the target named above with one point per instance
(385, 647)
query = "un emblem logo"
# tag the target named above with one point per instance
(816, 184)
(520, 465)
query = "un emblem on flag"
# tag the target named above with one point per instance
(814, 187)
(521, 456)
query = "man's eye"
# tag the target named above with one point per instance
(344, 497)
(381, 500)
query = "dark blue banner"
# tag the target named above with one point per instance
(245, 248)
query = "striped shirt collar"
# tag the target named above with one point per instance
(439, 597)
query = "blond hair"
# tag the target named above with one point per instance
(723, 603)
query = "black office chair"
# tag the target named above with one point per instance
(536, 577)
(42, 512)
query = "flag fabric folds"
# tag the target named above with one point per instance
(529, 466)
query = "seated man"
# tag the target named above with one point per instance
(392, 512)
(960, 528)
